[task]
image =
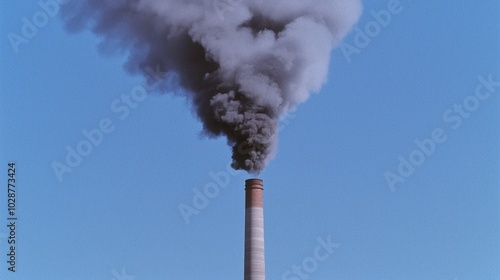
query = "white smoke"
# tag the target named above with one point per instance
(243, 64)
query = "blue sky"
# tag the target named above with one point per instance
(116, 213)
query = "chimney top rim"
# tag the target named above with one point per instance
(254, 181)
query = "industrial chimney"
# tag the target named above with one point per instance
(254, 230)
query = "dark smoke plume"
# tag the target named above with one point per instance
(242, 63)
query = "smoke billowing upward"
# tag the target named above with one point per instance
(242, 63)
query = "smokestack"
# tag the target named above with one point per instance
(255, 268)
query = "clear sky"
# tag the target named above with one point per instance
(430, 76)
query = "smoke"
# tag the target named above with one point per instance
(242, 63)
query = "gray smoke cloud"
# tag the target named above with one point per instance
(242, 63)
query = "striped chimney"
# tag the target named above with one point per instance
(254, 230)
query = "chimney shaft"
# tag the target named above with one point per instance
(254, 230)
